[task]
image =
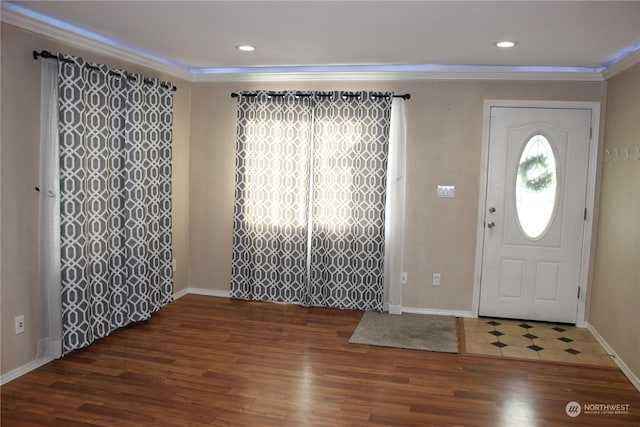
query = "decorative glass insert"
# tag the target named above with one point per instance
(536, 187)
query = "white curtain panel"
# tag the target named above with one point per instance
(395, 208)
(50, 345)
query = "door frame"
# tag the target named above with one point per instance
(590, 193)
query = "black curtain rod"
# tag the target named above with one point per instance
(47, 54)
(303, 94)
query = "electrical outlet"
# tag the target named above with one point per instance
(436, 279)
(403, 279)
(19, 324)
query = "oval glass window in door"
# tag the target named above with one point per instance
(536, 187)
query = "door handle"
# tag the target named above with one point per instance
(491, 224)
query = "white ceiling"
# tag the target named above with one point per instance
(200, 37)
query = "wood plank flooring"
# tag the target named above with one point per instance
(207, 361)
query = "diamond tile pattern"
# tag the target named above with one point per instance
(533, 340)
(337, 146)
(115, 199)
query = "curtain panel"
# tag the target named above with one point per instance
(49, 234)
(271, 198)
(309, 210)
(395, 209)
(351, 144)
(115, 199)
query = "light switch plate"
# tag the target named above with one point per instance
(446, 191)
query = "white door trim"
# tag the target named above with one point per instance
(590, 199)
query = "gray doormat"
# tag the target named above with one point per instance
(412, 331)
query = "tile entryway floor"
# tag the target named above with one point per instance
(533, 340)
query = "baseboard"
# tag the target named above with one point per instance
(418, 310)
(395, 309)
(24, 369)
(201, 291)
(180, 294)
(623, 366)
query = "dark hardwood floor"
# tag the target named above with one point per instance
(206, 361)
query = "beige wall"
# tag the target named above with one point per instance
(20, 116)
(444, 132)
(615, 296)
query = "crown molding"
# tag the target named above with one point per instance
(622, 65)
(26, 19)
(443, 73)
(23, 18)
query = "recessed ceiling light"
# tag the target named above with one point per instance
(246, 48)
(506, 43)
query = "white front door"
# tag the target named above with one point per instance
(535, 211)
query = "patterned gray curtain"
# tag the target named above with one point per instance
(310, 198)
(271, 198)
(351, 142)
(115, 199)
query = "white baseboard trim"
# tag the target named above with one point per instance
(623, 366)
(210, 292)
(180, 294)
(439, 312)
(24, 369)
(395, 309)
(202, 291)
